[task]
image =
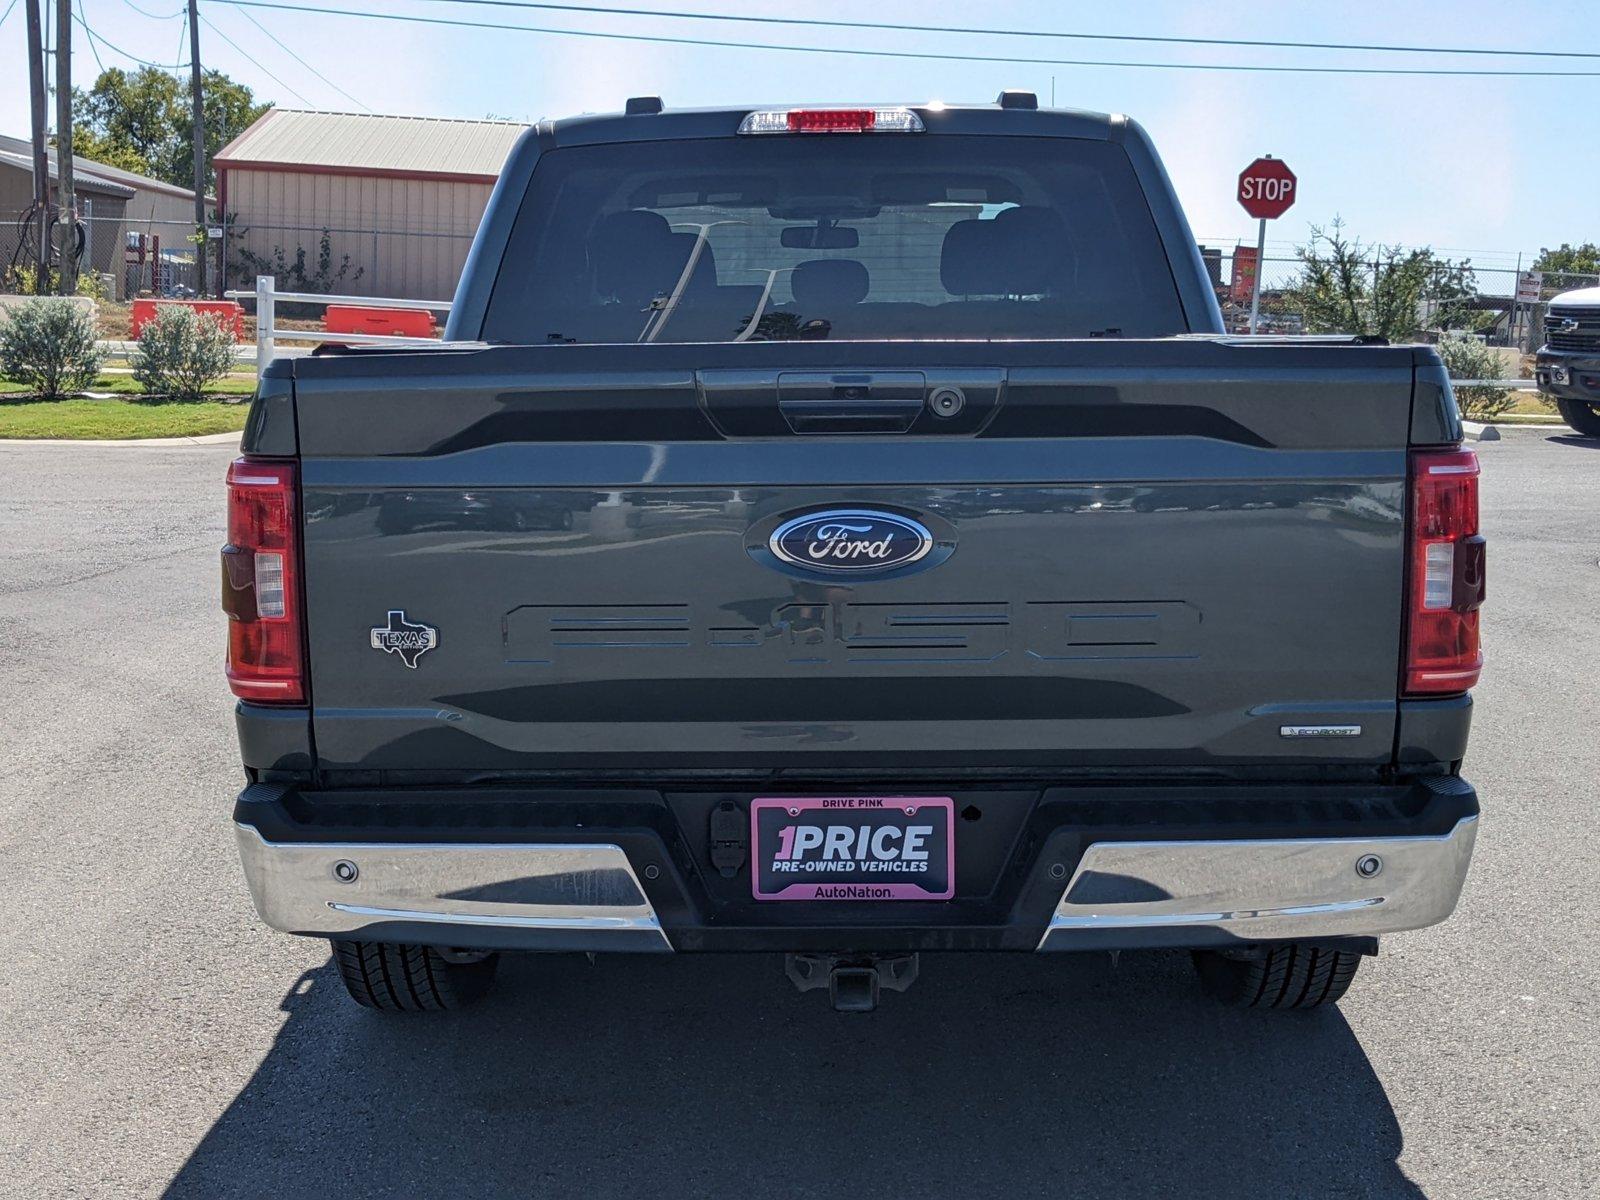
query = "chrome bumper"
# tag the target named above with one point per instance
(587, 897)
(582, 897)
(1263, 890)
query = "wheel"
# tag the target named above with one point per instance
(404, 978)
(1581, 415)
(1295, 975)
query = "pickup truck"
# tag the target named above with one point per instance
(848, 533)
(1567, 366)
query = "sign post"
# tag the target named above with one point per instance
(1266, 190)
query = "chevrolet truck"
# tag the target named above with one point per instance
(848, 533)
(1567, 365)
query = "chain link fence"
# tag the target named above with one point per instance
(1493, 308)
(351, 260)
(133, 258)
(118, 259)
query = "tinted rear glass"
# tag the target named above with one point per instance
(835, 237)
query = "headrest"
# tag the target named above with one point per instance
(1037, 247)
(821, 286)
(636, 224)
(966, 261)
(636, 256)
(1020, 252)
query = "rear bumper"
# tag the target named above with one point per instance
(579, 897)
(597, 871)
(1284, 890)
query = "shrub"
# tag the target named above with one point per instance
(1468, 358)
(22, 280)
(92, 285)
(47, 345)
(181, 352)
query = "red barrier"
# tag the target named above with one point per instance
(232, 314)
(396, 322)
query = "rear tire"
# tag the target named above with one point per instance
(1295, 975)
(1582, 416)
(405, 978)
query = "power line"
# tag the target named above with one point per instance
(661, 39)
(303, 62)
(252, 58)
(90, 35)
(134, 58)
(144, 12)
(7, 12)
(817, 22)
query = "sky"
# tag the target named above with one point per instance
(1483, 166)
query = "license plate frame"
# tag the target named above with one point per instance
(926, 826)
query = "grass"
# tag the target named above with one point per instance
(1527, 404)
(117, 419)
(124, 385)
(1531, 404)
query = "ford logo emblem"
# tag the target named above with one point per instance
(850, 541)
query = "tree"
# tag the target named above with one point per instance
(1348, 286)
(139, 120)
(1580, 260)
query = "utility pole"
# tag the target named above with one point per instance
(201, 246)
(41, 161)
(67, 230)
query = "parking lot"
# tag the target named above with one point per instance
(157, 1039)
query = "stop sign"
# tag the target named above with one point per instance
(1266, 188)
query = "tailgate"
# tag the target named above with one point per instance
(744, 558)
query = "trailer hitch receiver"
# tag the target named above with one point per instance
(854, 981)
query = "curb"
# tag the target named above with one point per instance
(1475, 431)
(205, 439)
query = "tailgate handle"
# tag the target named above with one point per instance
(850, 416)
(824, 402)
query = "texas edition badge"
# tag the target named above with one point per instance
(410, 640)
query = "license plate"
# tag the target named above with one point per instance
(1559, 375)
(853, 848)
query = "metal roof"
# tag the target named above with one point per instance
(357, 143)
(132, 179)
(85, 180)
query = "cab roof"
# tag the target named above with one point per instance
(1002, 118)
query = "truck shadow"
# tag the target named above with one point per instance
(994, 1075)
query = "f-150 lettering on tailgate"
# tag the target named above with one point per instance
(851, 632)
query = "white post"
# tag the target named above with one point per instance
(1514, 334)
(1255, 286)
(264, 285)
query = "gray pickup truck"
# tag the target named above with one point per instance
(850, 533)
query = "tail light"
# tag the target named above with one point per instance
(831, 120)
(261, 584)
(1446, 585)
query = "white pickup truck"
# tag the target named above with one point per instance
(1568, 367)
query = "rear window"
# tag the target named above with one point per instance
(833, 237)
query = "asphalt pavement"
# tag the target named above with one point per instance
(156, 1039)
